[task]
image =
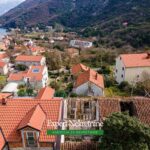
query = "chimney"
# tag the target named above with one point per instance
(96, 76)
(148, 55)
(3, 101)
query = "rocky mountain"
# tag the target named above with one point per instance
(122, 20)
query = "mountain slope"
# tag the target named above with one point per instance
(32, 12)
(115, 22)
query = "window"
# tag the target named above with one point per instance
(127, 107)
(36, 70)
(30, 139)
(86, 105)
(116, 70)
(122, 76)
(122, 68)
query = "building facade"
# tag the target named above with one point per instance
(132, 67)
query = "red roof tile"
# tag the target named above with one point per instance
(2, 140)
(2, 64)
(5, 95)
(91, 76)
(136, 60)
(16, 76)
(46, 93)
(29, 58)
(142, 108)
(16, 110)
(34, 73)
(3, 55)
(107, 107)
(76, 69)
(34, 118)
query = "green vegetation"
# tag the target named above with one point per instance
(99, 58)
(115, 23)
(61, 93)
(21, 92)
(21, 67)
(58, 47)
(24, 91)
(2, 81)
(122, 132)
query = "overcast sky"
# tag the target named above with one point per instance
(6, 5)
(9, 1)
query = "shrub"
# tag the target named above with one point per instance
(109, 82)
(21, 86)
(61, 93)
(21, 67)
(123, 85)
(73, 95)
(29, 92)
(55, 85)
(21, 92)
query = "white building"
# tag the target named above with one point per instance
(36, 76)
(80, 44)
(4, 57)
(3, 68)
(89, 83)
(10, 88)
(30, 60)
(131, 67)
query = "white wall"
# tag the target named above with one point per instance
(133, 75)
(4, 70)
(119, 72)
(130, 75)
(84, 88)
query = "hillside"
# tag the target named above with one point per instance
(115, 22)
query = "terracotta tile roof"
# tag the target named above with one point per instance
(5, 95)
(136, 60)
(76, 69)
(37, 49)
(34, 73)
(17, 110)
(16, 76)
(46, 93)
(2, 64)
(34, 119)
(107, 107)
(3, 55)
(2, 140)
(91, 76)
(142, 108)
(29, 58)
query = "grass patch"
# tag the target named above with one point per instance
(114, 91)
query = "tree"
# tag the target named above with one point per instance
(61, 93)
(29, 91)
(54, 60)
(21, 92)
(21, 67)
(122, 132)
(55, 85)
